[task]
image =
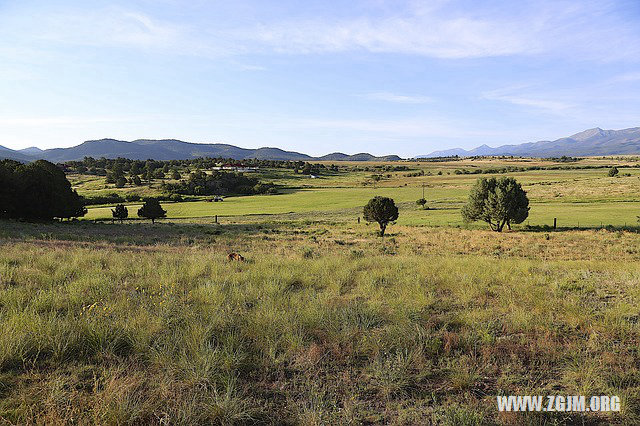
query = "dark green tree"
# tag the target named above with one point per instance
(135, 169)
(613, 171)
(120, 212)
(8, 186)
(382, 210)
(498, 202)
(175, 175)
(421, 202)
(136, 180)
(45, 192)
(121, 182)
(151, 209)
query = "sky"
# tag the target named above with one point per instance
(385, 77)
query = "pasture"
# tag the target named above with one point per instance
(325, 322)
(584, 198)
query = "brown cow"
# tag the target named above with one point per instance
(235, 256)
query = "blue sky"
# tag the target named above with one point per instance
(317, 76)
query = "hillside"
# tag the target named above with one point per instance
(172, 149)
(6, 153)
(591, 142)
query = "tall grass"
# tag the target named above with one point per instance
(306, 332)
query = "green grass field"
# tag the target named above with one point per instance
(325, 322)
(577, 198)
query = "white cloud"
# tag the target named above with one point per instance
(393, 97)
(516, 96)
(447, 29)
(426, 35)
(395, 128)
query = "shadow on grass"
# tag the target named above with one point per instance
(132, 232)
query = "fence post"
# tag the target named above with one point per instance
(554, 222)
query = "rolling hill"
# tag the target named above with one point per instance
(591, 142)
(171, 149)
(10, 154)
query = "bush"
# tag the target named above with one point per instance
(111, 198)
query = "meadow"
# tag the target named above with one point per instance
(325, 322)
(575, 197)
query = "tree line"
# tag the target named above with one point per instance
(219, 183)
(37, 191)
(158, 169)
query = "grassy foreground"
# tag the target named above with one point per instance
(131, 324)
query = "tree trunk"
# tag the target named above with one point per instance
(153, 220)
(383, 227)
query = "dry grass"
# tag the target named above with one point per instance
(326, 324)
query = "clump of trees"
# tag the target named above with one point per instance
(156, 169)
(382, 210)
(219, 183)
(498, 202)
(37, 191)
(151, 209)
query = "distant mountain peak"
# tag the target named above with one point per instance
(592, 142)
(589, 133)
(31, 150)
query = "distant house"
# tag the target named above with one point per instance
(313, 176)
(237, 167)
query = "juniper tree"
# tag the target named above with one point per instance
(498, 202)
(120, 212)
(382, 210)
(151, 209)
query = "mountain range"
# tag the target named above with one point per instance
(591, 142)
(171, 149)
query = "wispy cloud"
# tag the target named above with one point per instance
(428, 36)
(422, 126)
(585, 30)
(447, 29)
(397, 98)
(517, 96)
(67, 121)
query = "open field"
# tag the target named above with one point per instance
(326, 323)
(134, 323)
(576, 197)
